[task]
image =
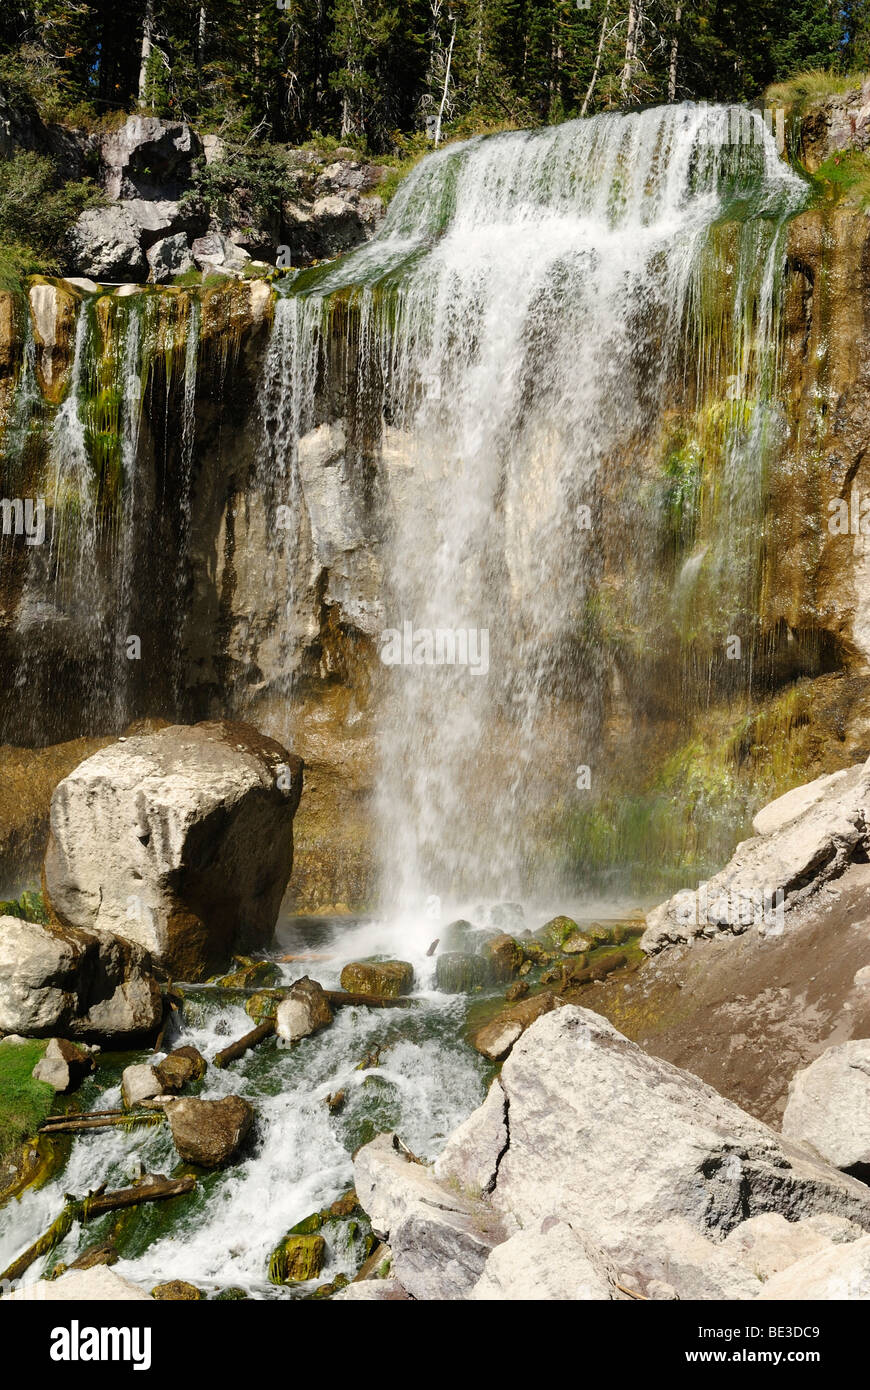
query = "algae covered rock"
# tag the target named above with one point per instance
(386, 977)
(558, 930)
(458, 936)
(177, 1291)
(251, 974)
(459, 973)
(296, 1259)
(503, 957)
(209, 1132)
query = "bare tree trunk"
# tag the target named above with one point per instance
(634, 12)
(479, 56)
(672, 66)
(446, 85)
(200, 38)
(595, 71)
(145, 53)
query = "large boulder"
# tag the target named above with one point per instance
(807, 840)
(180, 841)
(58, 980)
(104, 244)
(550, 1261)
(585, 1104)
(217, 253)
(209, 1132)
(828, 1106)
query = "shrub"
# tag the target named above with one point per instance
(37, 206)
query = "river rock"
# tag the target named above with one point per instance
(555, 932)
(797, 855)
(549, 1261)
(841, 1273)
(584, 1102)
(177, 1291)
(304, 1011)
(183, 1065)
(496, 1039)
(140, 1082)
(180, 840)
(387, 977)
(63, 1066)
(89, 985)
(456, 972)
(297, 1259)
(209, 1132)
(503, 957)
(829, 1105)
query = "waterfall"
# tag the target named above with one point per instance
(533, 313)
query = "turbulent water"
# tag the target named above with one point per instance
(535, 309)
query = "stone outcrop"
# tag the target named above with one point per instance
(78, 984)
(97, 1285)
(828, 1106)
(181, 841)
(807, 841)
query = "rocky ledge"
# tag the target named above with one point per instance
(593, 1171)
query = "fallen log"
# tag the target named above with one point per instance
(87, 1208)
(238, 1049)
(308, 955)
(79, 1123)
(339, 998)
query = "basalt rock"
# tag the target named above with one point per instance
(180, 841)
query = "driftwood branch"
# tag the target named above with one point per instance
(239, 1048)
(339, 998)
(151, 1189)
(107, 1120)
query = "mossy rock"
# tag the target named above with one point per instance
(557, 930)
(308, 1225)
(503, 956)
(231, 1295)
(390, 978)
(297, 1259)
(177, 1291)
(263, 1004)
(340, 1281)
(456, 972)
(251, 974)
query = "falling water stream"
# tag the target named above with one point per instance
(532, 307)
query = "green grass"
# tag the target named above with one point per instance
(25, 1104)
(844, 178)
(805, 87)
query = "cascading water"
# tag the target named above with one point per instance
(516, 334)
